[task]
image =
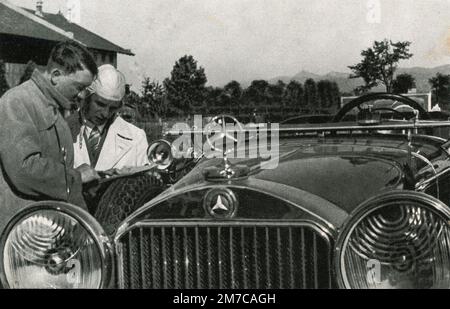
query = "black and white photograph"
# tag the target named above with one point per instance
(236, 146)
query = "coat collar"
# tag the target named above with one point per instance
(51, 104)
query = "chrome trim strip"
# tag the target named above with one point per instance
(197, 256)
(266, 229)
(141, 251)
(208, 241)
(423, 184)
(291, 257)
(235, 223)
(255, 249)
(231, 256)
(219, 251)
(279, 257)
(302, 237)
(164, 256)
(333, 127)
(120, 275)
(424, 159)
(244, 264)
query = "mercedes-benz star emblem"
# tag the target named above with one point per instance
(220, 203)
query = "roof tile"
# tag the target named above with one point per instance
(14, 23)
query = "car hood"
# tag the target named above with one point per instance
(342, 174)
(344, 180)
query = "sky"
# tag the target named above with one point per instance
(245, 40)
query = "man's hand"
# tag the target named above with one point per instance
(108, 173)
(88, 174)
(126, 170)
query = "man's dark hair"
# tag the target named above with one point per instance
(71, 57)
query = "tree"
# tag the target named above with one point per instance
(234, 91)
(328, 94)
(274, 100)
(294, 95)
(311, 95)
(402, 83)
(153, 98)
(130, 110)
(440, 84)
(256, 92)
(274, 93)
(379, 64)
(29, 69)
(335, 96)
(3, 83)
(186, 86)
(323, 93)
(216, 99)
(131, 98)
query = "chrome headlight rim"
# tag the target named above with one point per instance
(172, 153)
(94, 229)
(372, 204)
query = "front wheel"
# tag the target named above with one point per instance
(123, 197)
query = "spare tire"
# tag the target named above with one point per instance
(123, 197)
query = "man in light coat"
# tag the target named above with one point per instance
(36, 150)
(102, 139)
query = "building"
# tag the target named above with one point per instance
(29, 35)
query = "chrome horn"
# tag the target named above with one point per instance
(160, 153)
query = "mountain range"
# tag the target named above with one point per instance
(421, 75)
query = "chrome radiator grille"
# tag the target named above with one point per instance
(223, 256)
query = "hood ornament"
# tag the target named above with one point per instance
(227, 171)
(223, 130)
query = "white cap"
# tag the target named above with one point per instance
(109, 84)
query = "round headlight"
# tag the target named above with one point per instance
(161, 154)
(396, 240)
(54, 245)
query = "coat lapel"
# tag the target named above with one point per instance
(118, 142)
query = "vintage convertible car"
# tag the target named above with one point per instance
(347, 205)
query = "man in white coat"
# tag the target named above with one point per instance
(102, 139)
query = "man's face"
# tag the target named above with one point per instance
(99, 111)
(71, 84)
